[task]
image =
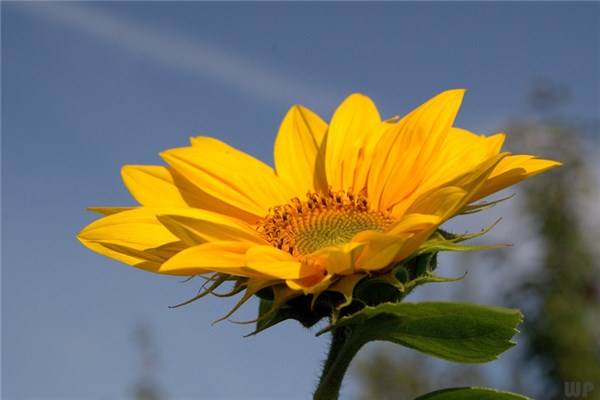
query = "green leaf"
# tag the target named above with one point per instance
(471, 393)
(460, 332)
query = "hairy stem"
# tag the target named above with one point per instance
(342, 350)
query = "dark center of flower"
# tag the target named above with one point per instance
(302, 227)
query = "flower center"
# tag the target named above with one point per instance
(302, 227)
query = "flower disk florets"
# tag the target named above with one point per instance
(322, 220)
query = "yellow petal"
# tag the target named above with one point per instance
(137, 228)
(109, 210)
(365, 156)
(149, 260)
(511, 170)
(403, 153)
(472, 181)
(462, 152)
(380, 249)
(337, 259)
(158, 186)
(297, 151)
(224, 257)
(355, 119)
(314, 284)
(427, 213)
(229, 175)
(195, 226)
(413, 223)
(130, 236)
(441, 202)
(152, 186)
(156, 255)
(272, 262)
(445, 201)
(205, 201)
(420, 227)
(411, 245)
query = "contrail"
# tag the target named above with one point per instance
(195, 56)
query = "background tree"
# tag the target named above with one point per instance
(561, 299)
(146, 387)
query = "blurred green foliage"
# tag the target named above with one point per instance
(561, 301)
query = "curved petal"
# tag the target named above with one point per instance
(436, 207)
(109, 210)
(296, 151)
(355, 119)
(314, 284)
(384, 248)
(449, 198)
(462, 152)
(365, 156)
(441, 202)
(158, 186)
(403, 153)
(412, 244)
(134, 237)
(337, 259)
(327, 263)
(149, 259)
(152, 186)
(511, 170)
(195, 226)
(229, 175)
(414, 223)
(417, 228)
(380, 249)
(272, 262)
(224, 257)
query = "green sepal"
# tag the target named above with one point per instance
(471, 393)
(437, 245)
(475, 208)
(430, 278)
(211, 284)
(426, 263)
(345, 287)
(287, 304)
(379, 289)
(295, 310)
(266, 318)
(395, 284)
(459, 332)
(251, 288)
(456, 237)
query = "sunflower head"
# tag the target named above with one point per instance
(349, 216)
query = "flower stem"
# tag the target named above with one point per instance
(342, 350)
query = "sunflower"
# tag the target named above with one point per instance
(344, 200)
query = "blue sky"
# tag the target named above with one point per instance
(89, 87)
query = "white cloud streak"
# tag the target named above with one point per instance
(197, 57)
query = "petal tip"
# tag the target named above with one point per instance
(457, 93)
(358, 96)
